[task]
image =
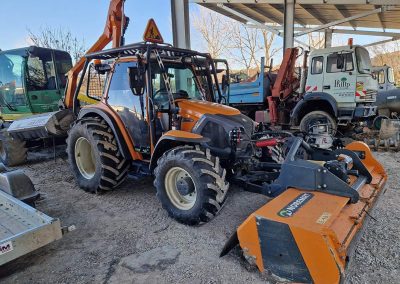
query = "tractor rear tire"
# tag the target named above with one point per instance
(190, 184)
(94, 156)
(13, 152)
(305, 122)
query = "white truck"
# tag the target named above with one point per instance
(339, 89)
(385, 76)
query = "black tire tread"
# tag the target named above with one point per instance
(15, 150)
(212, 177)
(114, 167)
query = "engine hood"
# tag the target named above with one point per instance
(198, 108)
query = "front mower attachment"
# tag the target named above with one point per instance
(306, 235)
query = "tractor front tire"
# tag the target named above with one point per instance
(94, 156)
(190, 184)
(13, 152)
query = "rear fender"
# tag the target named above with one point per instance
(174, 138)
(308, 100)
(90, 112)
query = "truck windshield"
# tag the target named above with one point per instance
(390, 75)
(363, 61)
(11, 79)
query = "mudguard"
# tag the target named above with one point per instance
(309, 236)
(172, 139)
(311, 97)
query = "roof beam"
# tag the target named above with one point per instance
(340, 31)
(381, 42)
(307, 2)
(256, 24)
(338, 22)
(380, 15)
(341, 9)
(296, 19)
(314, 13)
(269, 16)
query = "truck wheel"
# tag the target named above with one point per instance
(94, 157)
(315, 118)
(190, 184)
(13, 152)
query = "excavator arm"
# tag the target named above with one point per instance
(114, 29)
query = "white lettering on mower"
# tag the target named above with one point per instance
(295, 205)
(6, 247)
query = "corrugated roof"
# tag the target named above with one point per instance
(313, 12)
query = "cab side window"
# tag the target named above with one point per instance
(381, 77)
(41, 72)
(339, 62)
(317, 65)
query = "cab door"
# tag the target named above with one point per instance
(130, 108)
(44, 85)
(340, 79)
(315, 77)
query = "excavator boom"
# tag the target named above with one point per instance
(113, 32)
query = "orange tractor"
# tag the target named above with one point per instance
(155, 113)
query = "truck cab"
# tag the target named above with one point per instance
(385, 76)
(340, 85)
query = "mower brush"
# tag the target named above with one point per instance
(308, 236)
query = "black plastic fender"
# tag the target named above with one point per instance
(90, 111)
(174, 138)
(312, 97)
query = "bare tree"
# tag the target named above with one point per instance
(316, 40)
(389, 54)
(58, 38)
(214, 29)
(269, 51)
(244, 42)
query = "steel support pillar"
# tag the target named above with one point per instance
(288, 34)
(328, 38)
(180, 23)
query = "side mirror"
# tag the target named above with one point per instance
(340, 61)
(136, 81)
(374, 75)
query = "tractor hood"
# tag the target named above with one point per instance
(198, 108)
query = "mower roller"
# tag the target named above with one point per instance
(309, 231)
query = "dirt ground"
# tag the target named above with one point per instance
(117, 230)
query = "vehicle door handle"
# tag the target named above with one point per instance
(327, 87)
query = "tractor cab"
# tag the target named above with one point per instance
(385, 76)
(32, 80)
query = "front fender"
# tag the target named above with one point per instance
(174, 138)
(309, 98)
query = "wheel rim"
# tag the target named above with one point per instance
(180, 188)
(84, 158)
(321, 124)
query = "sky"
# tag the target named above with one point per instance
(86, 18)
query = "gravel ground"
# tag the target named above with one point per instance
(116, 229)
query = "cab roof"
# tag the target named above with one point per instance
(330, 50)
(165, 50)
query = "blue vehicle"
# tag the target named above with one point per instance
(250, 95)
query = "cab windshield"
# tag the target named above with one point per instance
(363, 61)
(185, 83)
(11, 78)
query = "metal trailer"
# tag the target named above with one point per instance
(23, 228)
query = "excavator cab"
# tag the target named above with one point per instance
(32, 80)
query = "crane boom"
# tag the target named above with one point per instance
(113, 31)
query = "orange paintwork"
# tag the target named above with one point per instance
(192, 110)
(324, 227)
(112, 32)
(182, 134)
(121, 126)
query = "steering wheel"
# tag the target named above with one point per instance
(159, 94)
